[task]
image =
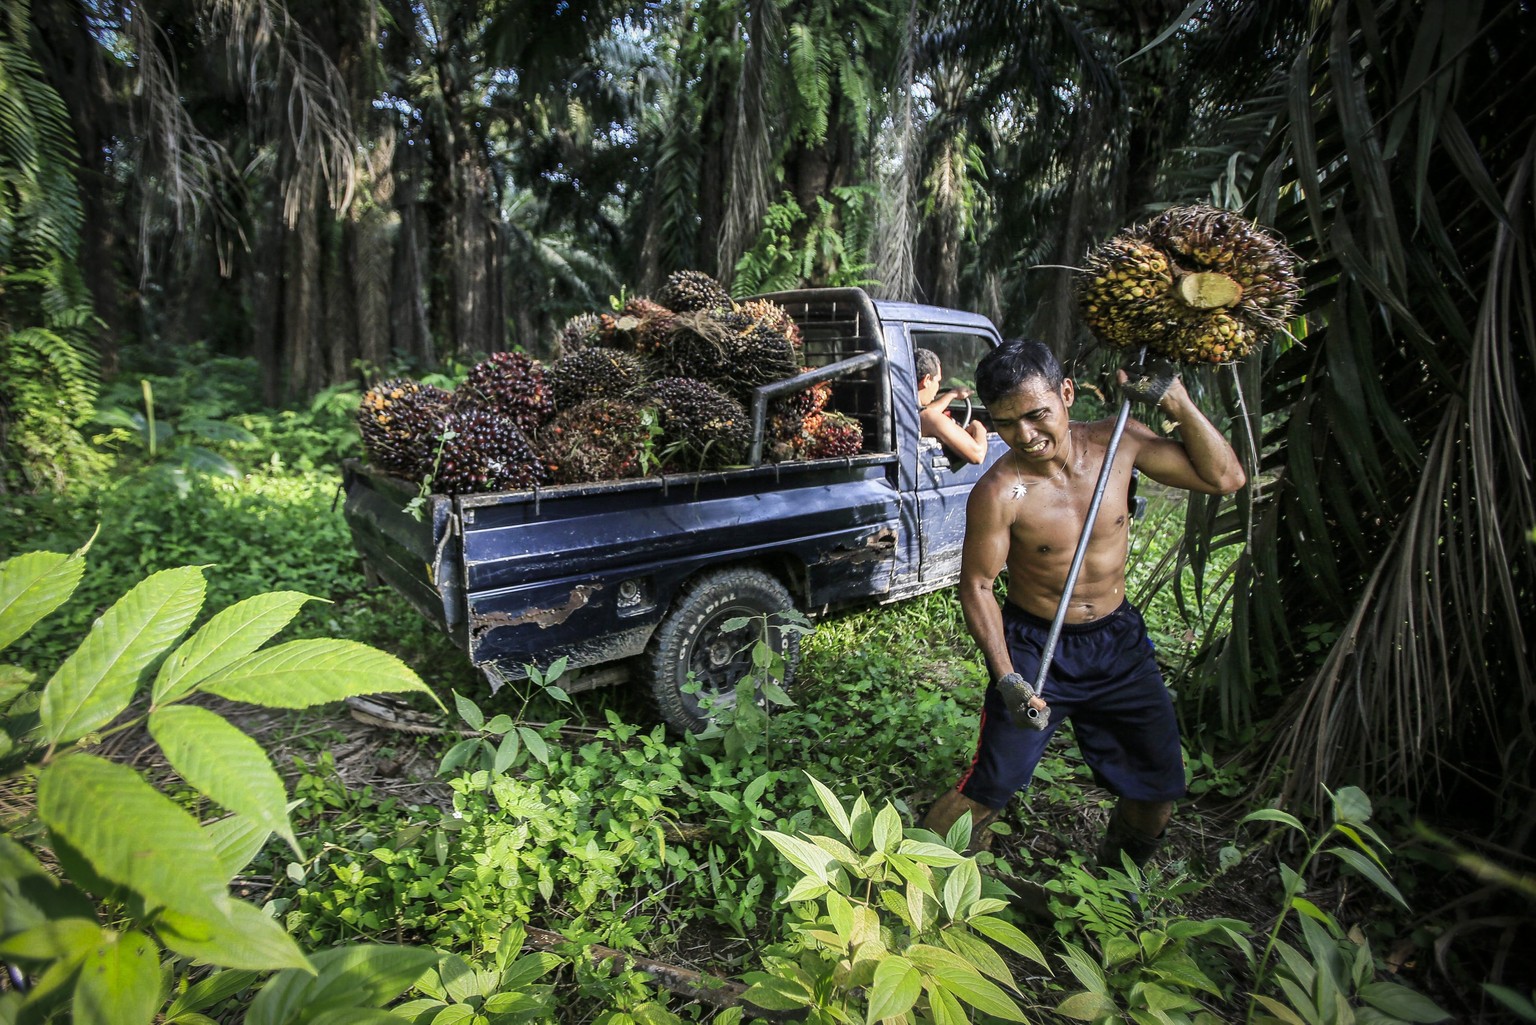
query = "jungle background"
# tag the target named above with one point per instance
(221, 219)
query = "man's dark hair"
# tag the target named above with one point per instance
(927, 363)
(1008, 366)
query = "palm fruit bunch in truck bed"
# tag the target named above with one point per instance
(652, 385)
(398, 420)
(688, 290)
(1195, 285)
(484, 450)
(702, 428)
(595, 373)
(599, 439)
(509, 383)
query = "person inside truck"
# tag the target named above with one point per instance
(1025, 515)
(969, 442)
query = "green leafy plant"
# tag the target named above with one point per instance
(1335, 981)
(744, 719)
(161, 877)
(458, 991)
(890, 924)
(1153, 963)
(175, 451)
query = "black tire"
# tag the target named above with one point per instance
(691, 638)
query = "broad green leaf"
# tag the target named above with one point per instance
(348, 977)
(1309, 909)
(1086, 1006)
(1085, 968)
(14, 681)
(236, 840)
(96, 683)
(832, 806)
(30, 895)
(454, 1014)
(887, 835)
(535, 745)
(1368, 868)
(528, 968)
(959, 835)
(808, 888)
(946, 1009)
(458, 755)
(469, 711)
(300, 674)
(230, 635)
(52, 939)
(246, 937)
(1352, 805)
(119, 983)
(774, 993)
(808, 858)
(223, 762)
(131, 834)
(961, 889)
(935, 854)
(840, 912)
(506, 752)
(1008, 935)
(212, 989)
(970, 988)
(979, 954)
(1273, 815)
(863, 820)
(839, 851)
(1513, 999)
(1401, 1002)
(918, 907)
(1179, 968)
(1280, 1010)
(896, 988)
(32, 586)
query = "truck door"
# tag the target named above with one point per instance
(943, 481)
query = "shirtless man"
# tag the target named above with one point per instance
(1026, 513)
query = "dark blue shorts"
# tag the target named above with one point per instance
(1104, 678)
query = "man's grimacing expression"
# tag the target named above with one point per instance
(1032, 419)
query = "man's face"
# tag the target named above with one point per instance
(1032, 419)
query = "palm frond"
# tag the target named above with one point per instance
(1396, 463)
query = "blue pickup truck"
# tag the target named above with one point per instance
(642, 578)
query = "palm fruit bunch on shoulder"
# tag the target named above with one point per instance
(833, 436)
(509, 383)
(398, 420)
(688, 290)
(702, 427)
(699, 346)
(599, 439)
(595, 373)
(774, 316)
(1195, 284)
(484, 450)
(581, 331)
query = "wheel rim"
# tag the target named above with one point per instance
(718, 659)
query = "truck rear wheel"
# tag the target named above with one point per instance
(693, 639)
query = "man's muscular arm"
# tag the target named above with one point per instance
(985, 552)
(1204, 462)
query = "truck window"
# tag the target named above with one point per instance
(958, 352)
